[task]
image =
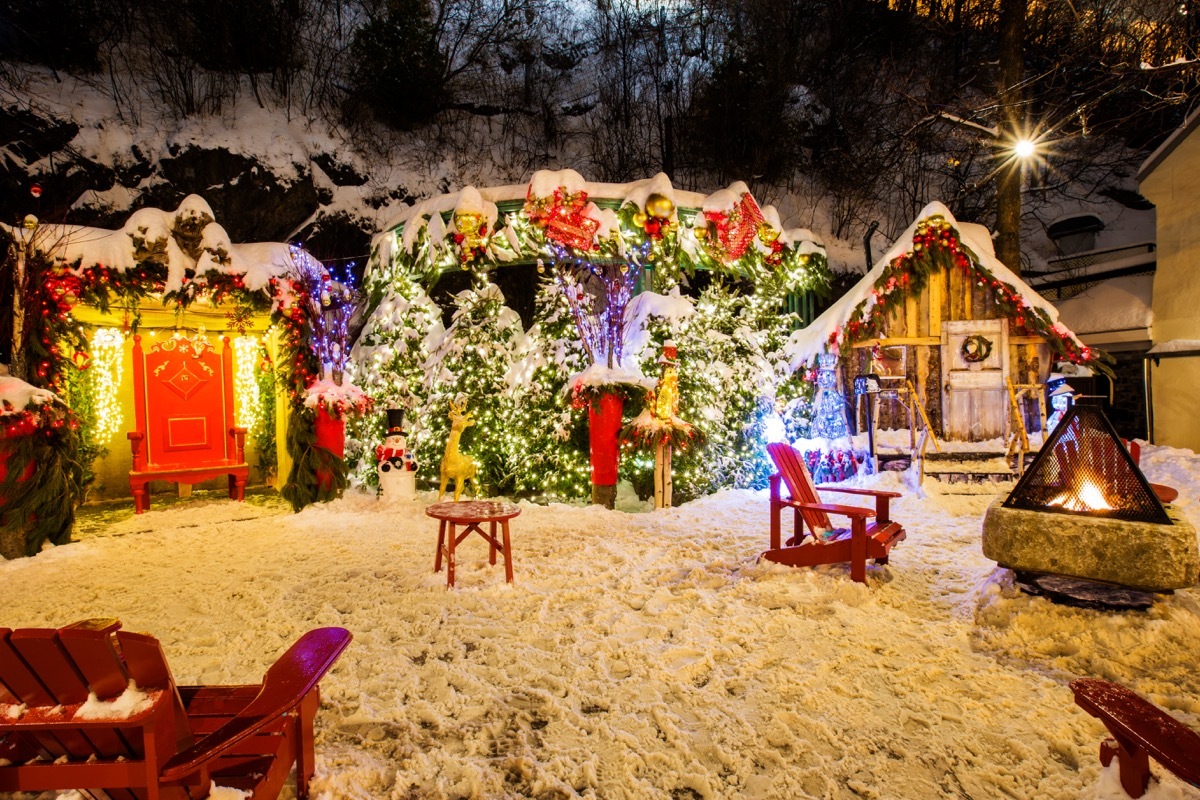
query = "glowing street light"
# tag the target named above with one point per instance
(1024, 148)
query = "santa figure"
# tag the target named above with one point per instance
(397, 466)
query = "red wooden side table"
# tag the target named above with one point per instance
(472, 514)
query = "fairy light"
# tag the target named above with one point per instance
(245, 382)
(107, 349)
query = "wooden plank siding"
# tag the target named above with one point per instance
(915, 325)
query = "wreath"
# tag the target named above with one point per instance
(975, 349)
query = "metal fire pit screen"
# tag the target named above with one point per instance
(1084, 469)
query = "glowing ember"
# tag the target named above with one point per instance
(1090, 498)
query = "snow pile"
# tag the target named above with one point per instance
(129, 703)
(155, 232)
(16, 396)
(337, 398)
(640, 655)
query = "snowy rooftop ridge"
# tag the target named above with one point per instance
(83, 247)
(807, 342)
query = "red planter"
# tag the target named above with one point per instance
(604, 433)
(331, 434)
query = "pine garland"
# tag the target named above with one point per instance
(44, 480)
(312, 465)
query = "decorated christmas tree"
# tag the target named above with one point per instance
(470, 366)
(548, 436)
(388, 362)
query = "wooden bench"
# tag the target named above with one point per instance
(159, 741)
(1139, 730)
(825, 544)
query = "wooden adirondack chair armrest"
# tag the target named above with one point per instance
(1133, 720)
(853, 490)
(854, 512)
(883, 499)
(296, 673)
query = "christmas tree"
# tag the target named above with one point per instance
(548, 436)
(471, 363)
(388, 362)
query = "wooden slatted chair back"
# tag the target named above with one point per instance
(795, 475)
(50, 674)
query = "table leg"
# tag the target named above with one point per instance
(508, 573)
(437, 561)
(450, 557)
(492, 544)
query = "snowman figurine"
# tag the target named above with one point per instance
(397, 466)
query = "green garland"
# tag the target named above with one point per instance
(317, 475)
(43, 506)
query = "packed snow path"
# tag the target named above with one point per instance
(638, 655)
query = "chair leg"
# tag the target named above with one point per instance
(305, 747)
(776, 526)
(141, 499)
(508, 569)
(492, 544)
(1133, 763)
(437, 561)
(858, 550)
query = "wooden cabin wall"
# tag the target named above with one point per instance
(916, 325)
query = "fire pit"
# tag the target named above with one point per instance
(1084, 509)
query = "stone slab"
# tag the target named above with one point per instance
(1139, 555)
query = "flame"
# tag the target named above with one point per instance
(1090, 498)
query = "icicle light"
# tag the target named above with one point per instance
(245, 382)
(107, 349)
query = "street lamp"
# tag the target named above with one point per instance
(1024, 149)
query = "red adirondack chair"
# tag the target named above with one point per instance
(175, 742)
(826, 545)
(183, 410)
(1139, 730)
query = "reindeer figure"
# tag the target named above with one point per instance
(457, 465)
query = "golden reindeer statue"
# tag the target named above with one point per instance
(457, 465)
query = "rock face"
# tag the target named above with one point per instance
(1135, 554)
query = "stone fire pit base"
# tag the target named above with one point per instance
(1139, 555)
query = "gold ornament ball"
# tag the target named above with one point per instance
(639, 219)
(766, 233)
(659, 206)
(701, 232)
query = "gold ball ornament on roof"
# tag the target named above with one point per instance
(659, 206)
(639, 219)
(766, 233)
(700, 232)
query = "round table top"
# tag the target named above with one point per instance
(473, 511)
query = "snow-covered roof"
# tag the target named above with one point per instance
(1164, 150)
(445, 203)
(83, 247)
(1112, 306)
(806, 343)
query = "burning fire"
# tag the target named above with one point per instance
(1090, 498)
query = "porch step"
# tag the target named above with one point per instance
(963, 469)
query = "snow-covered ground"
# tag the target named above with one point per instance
(639, 655)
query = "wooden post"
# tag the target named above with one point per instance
(663, 483)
